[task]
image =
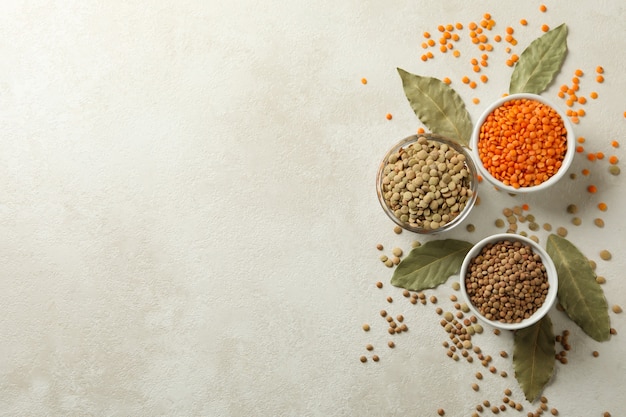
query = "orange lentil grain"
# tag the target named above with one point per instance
(443, 48)
(455, 37)
(581, 139)
(592, 189)
(484, 78)
(479, 30)
(575, 80)
(426, 35)
(545, 28)
(523, 22)
(472, 84)
(576, 87)
(459, 25)
(615, 143)
(502, 143)
(421, 130)
(476, 68)
(515, 58)
(489, 47)
(581, 112)
(613, 159)
(431, 42)
(465, 80)
(447, 35)
(449, 28)
(580, 149)
(509, 30)
(430, 55)
(363, 80)
(591, 156)
(507, 50)
(593, 95)
(483, 63)
(497, 38)
(579, 73)
(475, 40)
(482, 47)
(569, 102)
(424, 45)
(599, 70)
(575, 120)
(446, 80)
(600, 79)
(441, 28)
(564, 88)
(543, 8)
(456, 53)
(508, 38)
(599, 155)
(472, 26)
(484, 23)
(487, 16)
(582, 100)
(389, 116)
(475, 100)
(509, 62)
(474, 61)
(602, 207)
(585, 172)
(561, 94)
(525, 207)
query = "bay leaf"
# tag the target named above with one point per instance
(438, 106)
(540, 62)
(430, 264)
(580, 295)
(533, 357)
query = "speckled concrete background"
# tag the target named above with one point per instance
(188, 217)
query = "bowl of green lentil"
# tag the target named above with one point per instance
(523, 143)
(427, 183)
(509, 281)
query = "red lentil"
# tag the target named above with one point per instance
(530, 159)
(545, 28)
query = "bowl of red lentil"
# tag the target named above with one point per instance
(509, 281)
(523, 143)
(427, 183)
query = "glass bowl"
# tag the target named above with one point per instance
(550, 272)
(420, 208)
(519, 152)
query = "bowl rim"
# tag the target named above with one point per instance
(469, 162)
(550, 270)
(569, 154)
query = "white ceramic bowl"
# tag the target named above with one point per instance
(550, 270)
(566, 163)
(469, 165)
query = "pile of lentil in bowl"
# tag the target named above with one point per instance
(506, 281)
(426, 182)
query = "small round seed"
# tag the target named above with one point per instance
(496, 332)
(438, 310)
(475, 387)
(507, 392)
(456, 286)
(416, 244)
(389, 299)
(448, 316)
(605, 255)
(391, 344)
(441, 412)
(504, 354)
(495, 409)
(479, 408)
(400, 318)
(572, 209)
(616, 309)
(406, 293)
(499, 223)
(379, 247)
(600, 280)
(389, 263)
(493, 369)
(369, 347)
(383, 313)
(606, 414)
(612, 331)
(503, 374)
(614, 170)
(479, 375)
(576, 221)
(561, 231)
(375, 358)
(379, 284)
(470, 228)
(592, 264)
(363, 359)
(366, 327)
(396, 252)
(397, 230)
(433, 299)
(595, 353)
(598, 222)
(486, 403)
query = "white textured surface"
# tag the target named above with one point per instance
(188, 216)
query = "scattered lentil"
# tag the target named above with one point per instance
(605, 255)
(616, 309)
(379, 284)
(389, 299)
(363, 359)
(397, 230)
(455, 286)
(576, 221)
(433, 299)
(598, 222)
(391, 344)
(375, 358)
(614, 170)
(561, 231)
(366, 327)
(396, 251)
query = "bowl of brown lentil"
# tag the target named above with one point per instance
(523, 143)
(427, 183)
(509, 281)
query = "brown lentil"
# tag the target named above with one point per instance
(600, 280)
(379, 284)
(470, 228)
(503, 374)
(366, 327)
(605, 255)
(433, 299)
(363, 359)
(438, 310)
(512, 269)
(375, 358)
(595, 353)
(406, 293)
(441, 411)
(576, 221)
(598, 222)
(391, 344)
(479, 375)
(389, 299)
(379, 247)
(397, 230)
(616, 309)
(613, 331)
(475, 387)
(547, 227)
(561, 231)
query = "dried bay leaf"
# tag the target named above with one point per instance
(533, 357)
(430, 264)
(579, 293)
(540, 62)
(438, 106)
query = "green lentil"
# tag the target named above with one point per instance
(397, 252)
(470, 228)
(448, 316)
(572, 209)
(523, 233)
(614, 170)
(507, 212)
(572, 176)
(395, 260)
(576, 221)
(561, 231)
(499, 223)
(547, 227)
(600, 280)
(456, 286)
(397, 230)
(530, 218)
(533, 226)
(598, 222)
(605, 255)
(511, 219)
(517, 210)
(478, 328)
(503, 374)
(465, 308)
